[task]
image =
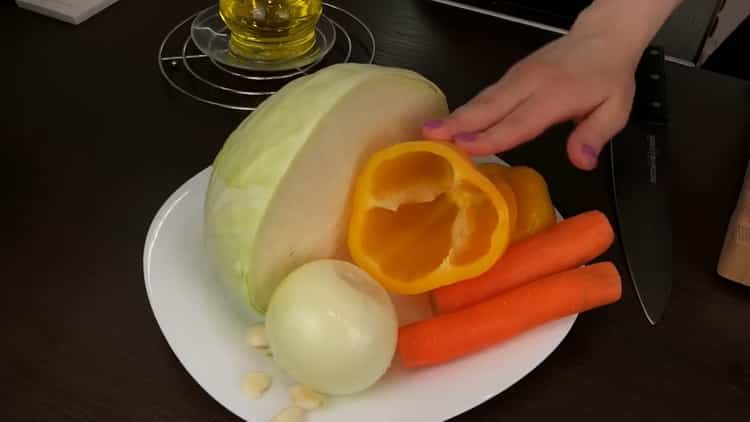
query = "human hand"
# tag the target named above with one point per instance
(584, 76)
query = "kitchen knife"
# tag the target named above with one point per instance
(641, 181)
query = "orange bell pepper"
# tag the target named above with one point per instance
(534, 208)
(423, 216)
(497, 174)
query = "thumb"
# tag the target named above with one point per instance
(594, 131)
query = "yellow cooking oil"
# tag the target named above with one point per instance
(270, 30)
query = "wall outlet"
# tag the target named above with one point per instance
(732, 13)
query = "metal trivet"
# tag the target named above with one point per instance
(202, 78)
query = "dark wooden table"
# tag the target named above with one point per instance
(94, 141)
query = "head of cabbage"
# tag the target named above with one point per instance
(278, 196)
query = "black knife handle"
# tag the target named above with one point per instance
(650, 102)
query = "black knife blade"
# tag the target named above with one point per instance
(641, 181)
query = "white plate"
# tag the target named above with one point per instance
(206, 335)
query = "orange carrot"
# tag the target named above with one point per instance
(568, 244)
(449, 336)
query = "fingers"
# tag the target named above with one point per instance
(527, 121)
(593, 132)
(484, 110)
(527, 101)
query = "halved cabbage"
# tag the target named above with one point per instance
(280, 186)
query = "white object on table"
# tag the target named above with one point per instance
(71, 11)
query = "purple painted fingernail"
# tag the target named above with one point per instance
(465, 137)
(590, 154)
(433, 124)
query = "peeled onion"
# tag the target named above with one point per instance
(332, 327)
